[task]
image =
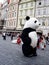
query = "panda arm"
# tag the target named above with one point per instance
(25, 38)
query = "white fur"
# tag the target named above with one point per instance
(34, 39)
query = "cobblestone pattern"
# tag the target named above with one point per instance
(11, 54)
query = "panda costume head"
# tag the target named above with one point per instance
(32, 23)
(29, 37)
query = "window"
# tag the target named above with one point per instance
(31, 11)
(26, 5)
(14, 14)
(38, 11)
(21, 5)
(45, 2)
(31, 4)
(44, 11)
(13, 7)
(26, 12)
(21, 13)
(10, 15)
(14, 0)
(47, 8)
(9, 8)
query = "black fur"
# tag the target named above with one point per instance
(28, 50)
(27, 17)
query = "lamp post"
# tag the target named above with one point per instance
(17, 11)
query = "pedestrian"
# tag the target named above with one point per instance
(47, 39)
(39, 34)
(11, 36)
(18, 35)
(42, 42)
(4, 35)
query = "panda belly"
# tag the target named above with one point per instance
(34, 39)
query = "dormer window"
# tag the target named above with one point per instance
(39, 3)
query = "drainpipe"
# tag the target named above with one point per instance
(35, 8)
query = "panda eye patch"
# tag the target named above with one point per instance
(35, 21)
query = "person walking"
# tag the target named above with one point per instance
(47, 39)
(41, 41)
(11, 36)
(4, 35)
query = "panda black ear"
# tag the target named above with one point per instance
(35, 21)
(27, 17)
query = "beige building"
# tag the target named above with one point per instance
(3, 15)
(17, 11)
(38, 9)
(12, 15)
(26, 8)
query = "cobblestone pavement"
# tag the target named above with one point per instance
(11, 54)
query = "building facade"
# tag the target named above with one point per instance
(38, 8)
(12, 14)
(42, 11)
(42, 14)
(34, 8)
(17, 10)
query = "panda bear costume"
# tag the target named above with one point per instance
(29, 37)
